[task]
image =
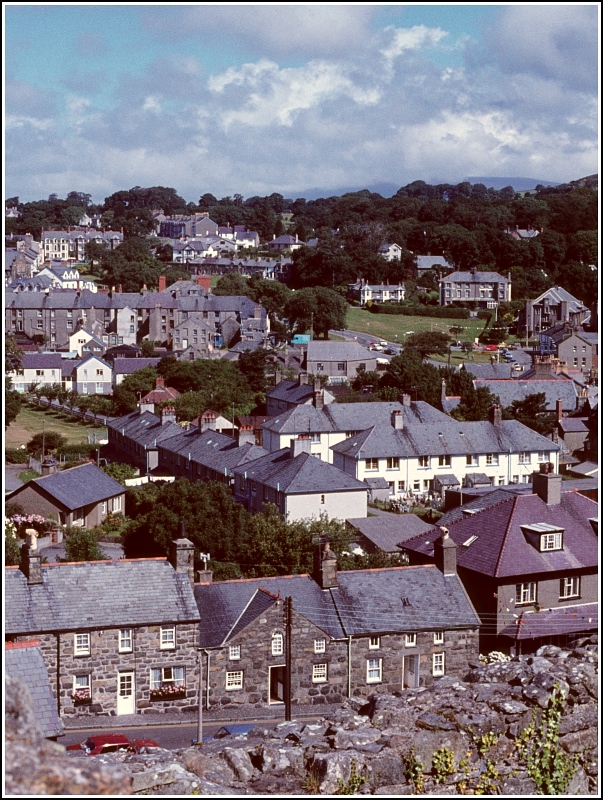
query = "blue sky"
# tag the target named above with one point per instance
(263, 98)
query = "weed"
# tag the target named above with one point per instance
(442, 764)
(414, 770)
(354, 783)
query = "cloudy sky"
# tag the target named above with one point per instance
(262, 98)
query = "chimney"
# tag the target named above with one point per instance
(257, 312)
(547, 484)
(543, 368)
(397, 420)
(559, 409)
(325, 566)
(208, 422)
(405, 400)
(444, 553)
(31, 564)
(168, 414)
(443, 394)
(495, 415)
(182, 554)
(146, 406)
(319, 400)
(302, 378)
(278, 377)
(317, 386)
(245, 435)
(162, 283)
(302, 444)
(204, 281)
(159, 382)
(120, 289)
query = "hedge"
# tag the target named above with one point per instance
(446, 312)
(14, 455)
(83, 449)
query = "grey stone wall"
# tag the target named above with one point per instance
(105, 662)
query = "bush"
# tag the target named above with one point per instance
(83, 449)
(14, 455)
(51, 441)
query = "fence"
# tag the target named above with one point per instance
(100, 419)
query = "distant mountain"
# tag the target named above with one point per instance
(591, 181)
(384, 189)
(518, 184)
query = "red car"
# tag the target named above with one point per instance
(491, 348)
(111, 743)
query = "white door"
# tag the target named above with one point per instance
(125, 693)
(410, 672)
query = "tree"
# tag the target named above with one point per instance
(147, 348)
(12, 406)
(272, 295)
(408, 374)
(12, 363)
(119, 472)
(319, 308)
(432, 343)
(256, 366)
(82, 545)
(532, 412)
(232, 285)
(51, 440)
(475, 405)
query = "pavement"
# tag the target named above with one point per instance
(11, 476)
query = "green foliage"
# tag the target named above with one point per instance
(232, 284)
(14, 455)
(258, 368)
(147, 348)
(414, 770)
(475, 404)
(12, 406)
(432, 343)
(548, 765)
(442, 764)
(532, 411)
(485, 741)
(319, 308)
(407, 373)
(131, 266)
(489, 780)
(12, 555)
(448, 312)
(218, 383)
(119, 472)
(51, 440)
(354, 782)
(82, 545)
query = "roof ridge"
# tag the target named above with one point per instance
(20, 645)
(504, 544)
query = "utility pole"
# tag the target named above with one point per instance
(43, 438)
(288, 626)
(200, 714)
(311, 326)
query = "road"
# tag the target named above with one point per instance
(11, 476)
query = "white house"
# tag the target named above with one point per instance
(41, 369)
(92, 375)
(377, 293)
(390, 251)
(428, 458)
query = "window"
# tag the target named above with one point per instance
(81, 686)
(438, 637)
(39, 373)
(341, 366)
(234, 681)
(424, 461)
(525, 593)
(569, 587)
(524, 458)
(99, 387)
(277, 644)
(444, 461)
(371, 463)
(410, 640)
(125, 640)
(438, 664)
(551, 541)
(234, 652)
(472, 461)
(374, 669)
(100, 372)
(416, 486)
(401, 486)
(393, 463)
(117, 503)
(168, 638)
(167, 676)
(81, 644)
(322, 499)
(392, 487)
(320, 368)
(315, 438)
(374, 642)
(319, 673)
(320, 645)
(492, 459)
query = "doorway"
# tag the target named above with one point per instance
(277, 684)
(125, 693)
(410, 672)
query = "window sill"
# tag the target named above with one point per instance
(570, 597)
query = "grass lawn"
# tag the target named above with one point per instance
(30, 419)
(386, 326)
(28, 475)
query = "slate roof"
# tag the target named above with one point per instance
(338, 351)
(41, 361)
(291, 392)
(557, 294)
(554, 622)
(553, 389)
(300, 475)
(75, 487)
(365, 602)
(160, 394)
(98, 594)
(214, 450)
(24, 660)
(501, 549)
(573, 425)
(387, 530)
(145, 429)
(427, 262)
(489, 371)
(477, 277)
(127, 366)
(452, 438)
(586, 468)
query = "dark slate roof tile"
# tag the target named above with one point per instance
(24, 660)
(76, 487)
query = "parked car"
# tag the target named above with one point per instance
(491, 348)
(111, 743)
(389, 351)
(383, 343)
(375, 346)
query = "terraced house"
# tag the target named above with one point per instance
(117, 637)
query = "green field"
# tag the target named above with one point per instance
(387, 326)
(30, 419)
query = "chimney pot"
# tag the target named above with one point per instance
(444, 552)
(547, 484)
(31, 564)
(302, 378)
(397, 420)
(495, 415)
(182, 555)
(325, 566)
(302, 444)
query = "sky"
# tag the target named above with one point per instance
(256, 99)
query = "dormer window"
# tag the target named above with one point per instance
(551, 541)
(543, 536)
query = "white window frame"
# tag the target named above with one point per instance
(438, 637)
(319, 673)
(569, 587)
(167, 638)
(424, 462)
(444, 461)
(410, 640)
(234, 652)
(82, 682)
(374, 642)
(374, 670)
(117, 503)
(491, 459)
(234, 681)
(166, 676)
(104, 507)
(524, 458)
(543, 456)
(126, 640)
(525, 593)
(551, 541)
(472, 460)
(320, 645)
(371, 464)
(81, 644)
(393, 463)
(277, 644)
(438, 664)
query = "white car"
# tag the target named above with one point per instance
(383, 343)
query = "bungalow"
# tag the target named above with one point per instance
(81, 496)
(338, 361)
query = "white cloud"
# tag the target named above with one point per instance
(151, 104)
(418, 37)
(13, 121)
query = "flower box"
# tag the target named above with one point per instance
(81, 699)
(168, 693)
